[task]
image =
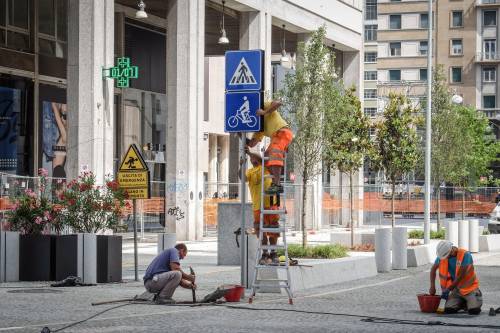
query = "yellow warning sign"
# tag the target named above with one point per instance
(133, 161)
(133, 175)
(133, 179)
(138, 193)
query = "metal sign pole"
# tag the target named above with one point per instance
(134, 205)
(243, 190)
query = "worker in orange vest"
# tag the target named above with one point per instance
(459, 283)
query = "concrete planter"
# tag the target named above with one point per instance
(109, 258)
(463, 234)
(36, 258)
(360, 238)
(418, 255)
(9, 256)
(399, 248)
(166, 241)
(383, 249)
(489, 243)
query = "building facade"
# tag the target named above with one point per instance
(59, 112)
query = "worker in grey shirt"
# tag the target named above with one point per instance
(164, 274)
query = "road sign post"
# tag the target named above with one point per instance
(133, 176)
(244, 96)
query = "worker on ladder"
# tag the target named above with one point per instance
(276, 128)
(254, 178)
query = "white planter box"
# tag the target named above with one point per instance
(9, 256)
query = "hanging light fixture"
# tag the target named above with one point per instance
(284, 56)
(223, 38)
(141, 13)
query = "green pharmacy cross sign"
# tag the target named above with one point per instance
(122, 72)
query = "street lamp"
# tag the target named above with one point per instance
(141, 13)
(223, 40)
(284, 56)
(428, 131)
(457, 99)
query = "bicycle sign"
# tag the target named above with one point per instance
(241, 108)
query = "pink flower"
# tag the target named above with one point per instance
(29, 192)
(42, 172)
(38, 220)
(47, 216)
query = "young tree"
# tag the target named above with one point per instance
(397, 141)
(478, 149)
(447, 137)
(347, 136)
(305, 96)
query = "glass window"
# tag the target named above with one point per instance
(370, 112)
(19, 13)
(395, 49)
(370, 32)
(456, 47)
(47, 17)
(370, 75)
(3, 12)
(424, 21)
(394, 75)
(489, 48)
(370, 56)
(423, 47)
(371, 10)
(489, 74)
(423, 74)
(456, 74)
(489, 102)
(394, 21)
(62, 20)
(370, 93)
(457, 19)
(490, 18)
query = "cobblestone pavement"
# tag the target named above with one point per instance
(390, 295)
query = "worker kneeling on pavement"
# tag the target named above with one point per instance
(457, 278)
(164, 274)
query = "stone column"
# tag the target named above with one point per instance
(255, 33)
(224, 163)
(185, 98)
(90, 97)
(212, 164)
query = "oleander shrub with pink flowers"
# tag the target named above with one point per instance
(34, 213)
(87, 207)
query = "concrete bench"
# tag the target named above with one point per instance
(489, 243)
(344, 238)
(419, 255)
(323, 272)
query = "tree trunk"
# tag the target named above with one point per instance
(352, 209)
(393, 219)
(303, 213)
(463, 203)
(438, 197)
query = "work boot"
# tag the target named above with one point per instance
(274, 258)
(274, 189)
(164, 300)
(263, 259)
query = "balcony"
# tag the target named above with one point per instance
(493, 113)
(487, 3)
(488, 57)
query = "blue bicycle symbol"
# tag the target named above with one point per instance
(243, 115)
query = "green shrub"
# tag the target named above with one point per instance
(317, 252)
(486, 232)
(419, 234)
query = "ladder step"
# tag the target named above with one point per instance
(272, 247)
(267, 158)
(272, 266)
(276, 230)
(271, 211)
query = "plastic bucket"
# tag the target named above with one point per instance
(428, 303)
(234, 293)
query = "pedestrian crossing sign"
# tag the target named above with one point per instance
(244, 70)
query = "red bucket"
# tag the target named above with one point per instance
(428, 303)
(235, 293)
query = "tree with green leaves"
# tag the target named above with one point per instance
(347, 136)
(447, 138)
(478, 149)
(397, 142)
(306, 95)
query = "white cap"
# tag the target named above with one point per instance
(443, 249)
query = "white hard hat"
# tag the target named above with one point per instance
(443, 249)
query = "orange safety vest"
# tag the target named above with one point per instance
(469, 282)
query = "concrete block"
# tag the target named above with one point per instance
(399, 247)
(418, 255)
(228, 221)
(166, 241)
(474, 236)
(344, 238)
(383, 249)
(489, 243)
(9, 256)
(87, 257)
(452, 228)
(463, 234)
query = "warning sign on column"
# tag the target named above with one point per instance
(133, 179)
(133, 175)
